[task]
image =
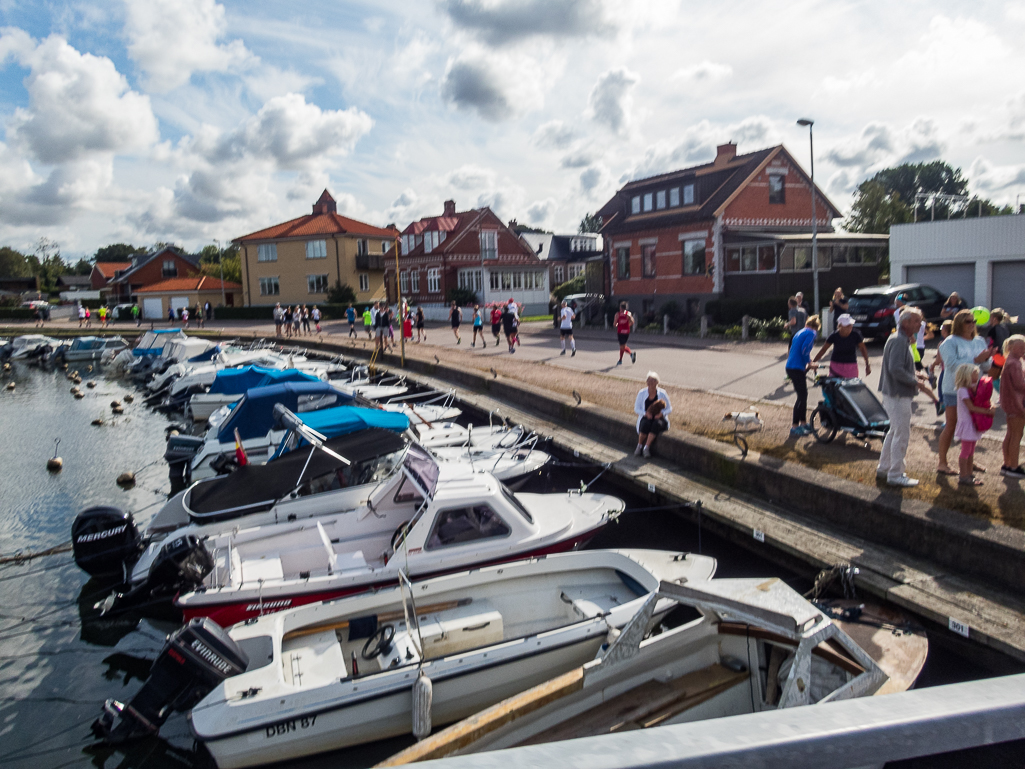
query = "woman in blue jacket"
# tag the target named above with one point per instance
(797, 364)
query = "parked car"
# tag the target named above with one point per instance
(873, 307)
(122, 312)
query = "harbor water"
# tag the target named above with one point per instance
(59, 660)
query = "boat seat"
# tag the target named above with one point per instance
(313, 660)
(582, 604)
(266, 567)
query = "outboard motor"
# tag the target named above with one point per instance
(105, 541)
(181, 566)
(195, 659)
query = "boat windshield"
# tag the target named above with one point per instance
(515, 502)
(421, 468)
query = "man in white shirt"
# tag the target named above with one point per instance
(567, 316)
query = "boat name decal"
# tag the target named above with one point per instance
(276, 730)
(101, 534)
(203, 651)
(266, 605)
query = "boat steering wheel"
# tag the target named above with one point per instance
(378, 642)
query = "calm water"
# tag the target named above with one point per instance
(58, 663)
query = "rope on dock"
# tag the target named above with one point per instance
(21, 557)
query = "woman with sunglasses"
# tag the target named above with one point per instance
(964, 345)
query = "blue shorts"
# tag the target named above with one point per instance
(950, 400)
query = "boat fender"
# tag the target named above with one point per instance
(423, 698)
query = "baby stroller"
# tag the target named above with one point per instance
(849, 406)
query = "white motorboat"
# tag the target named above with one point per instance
(754, 645)
(342, 673)
(86, 348)
(512, 466)
(30, 345)
(449, 434)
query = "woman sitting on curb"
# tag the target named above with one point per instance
(652, 419)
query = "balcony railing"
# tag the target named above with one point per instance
(369, 262)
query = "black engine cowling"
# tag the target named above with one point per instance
(181, 565)
(105, 541)
(195, 659)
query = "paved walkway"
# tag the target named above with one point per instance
(705, 379)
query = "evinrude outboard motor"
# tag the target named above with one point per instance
(195, 659)
(105, 541)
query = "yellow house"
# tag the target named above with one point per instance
(298, 261)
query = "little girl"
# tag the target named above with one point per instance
(966, 379)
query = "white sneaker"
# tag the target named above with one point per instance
(647, 451)
(904, 481)
(638, 450)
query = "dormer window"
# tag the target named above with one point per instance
(674, 197)
(647, 201)
(777, 190)
(688, 194)
(170, 269)
(489, 244)
(635, 204)
(660, 199)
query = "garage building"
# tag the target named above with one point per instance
(982, 259)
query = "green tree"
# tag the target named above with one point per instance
(51, 264)
(590, 223)
(82, 267)
(118, 252)
(14, 264)
(341, 293)
(232, 262)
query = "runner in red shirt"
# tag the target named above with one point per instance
(624, 323)
(496, 322)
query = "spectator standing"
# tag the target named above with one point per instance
(306, 319)
(39, 315)
(919, 352)
(315, 316)
(652, 420)
(964, 345)
(368, 321)
(838, 306)
(797, 364)
(624, 323)
(170, 315)
(899, 383)
(802, 304)
(968, 431)
(286, 321)
(350, 315)
(999, 331)
(1012, 401)
(279, 319)
(952, 306)
(208, 311)
(199, 315)
(185, 317)
(81, 315)
(846, 343)
(566, 317)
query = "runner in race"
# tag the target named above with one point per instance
(508, 317)
(514, 310)
(496, 323)
(455, 316)
(566, 317)
(478, 327)
(368, 322)
(420, 325)
(624, 323)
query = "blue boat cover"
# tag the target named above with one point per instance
(254, 414)
(235, 381)
(203, 357)
(343, 420)
(141, 351)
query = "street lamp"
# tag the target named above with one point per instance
(814, 224)
(220, 262)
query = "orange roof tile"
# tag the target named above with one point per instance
(107, 269)
(317, 224)
(200, 283)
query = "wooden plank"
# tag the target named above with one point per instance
(388, 616)
(822, 650)
(471, 729)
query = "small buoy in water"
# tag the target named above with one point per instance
(115, 404)
(89, 367)
(126, 479)
(65, 367)
(7, 367)
(129, 397)
(172, 433)
(90, 384)
(75, 391)
(77, 380)
(10, 385)
(98, 421)
(55, 463)
(79, 394)
(117, 409)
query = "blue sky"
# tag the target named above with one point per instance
(194, 120)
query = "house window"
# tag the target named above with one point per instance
(559, 276)
(660, 199)
(517, 281)
(635, 204)
(364, 281)
(316, 284)
(777, 192)
(751, 259)
(407, 244)
(648, 260)
(528, 281)
(428, 242)
(384, 246)
(434, 280)
(170, 269)
(674, 197)
(470, 279)
(404, 282)
(414, 280)
(688, 194)
(539, 280)
(316, 249)
(269, 287)
(623, 262)
(576, 269)
(362, 248)
(489, 244)
(647, 201)
(267, 252)
(694, 257)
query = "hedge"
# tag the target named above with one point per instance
(730, 311)
(265, 312)
(17, 313)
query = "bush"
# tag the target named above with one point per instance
(17, 313)
(574, 286)
(676, 314)
(734, 332)
(730, 311)
(767, 329)
(341, 293)
(461, 296)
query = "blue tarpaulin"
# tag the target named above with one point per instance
(235, 381)
(343, 420)
(254, 414)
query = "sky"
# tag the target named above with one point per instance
(190, 121)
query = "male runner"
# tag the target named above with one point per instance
(624, 323)
(566, 328)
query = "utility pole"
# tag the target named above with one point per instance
(220, 263)
(402, 317)
(814, 224)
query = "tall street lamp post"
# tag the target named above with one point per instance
(814, 224)
(220, 263)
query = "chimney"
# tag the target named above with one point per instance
(325, 204)
(450, 208)
(724, 153)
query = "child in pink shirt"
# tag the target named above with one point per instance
(966, 379)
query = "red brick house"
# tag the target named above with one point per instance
(737, 227)
(471, 249)
(149, 269)
(104, 272)
(187, 292)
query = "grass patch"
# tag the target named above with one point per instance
(532, 318)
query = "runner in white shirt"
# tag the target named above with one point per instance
(566, 328)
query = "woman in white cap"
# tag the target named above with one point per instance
(846, 342)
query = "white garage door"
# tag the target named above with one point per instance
(1009, 286)
(152, 309)
(946, 278)
(177, 302)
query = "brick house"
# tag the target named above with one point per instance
(104, 272)
(187, 292)
(298, 261)
(737, 227)
(566, 256)
(467, 249)
(147, 270)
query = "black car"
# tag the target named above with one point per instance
(873, 307)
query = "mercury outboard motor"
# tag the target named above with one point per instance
(195, 659)
(105, 542)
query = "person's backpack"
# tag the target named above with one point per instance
(982, 398)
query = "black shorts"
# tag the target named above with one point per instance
(420, 324)
(455, 322)
(565, 332)
(496, 328)
(656, 426)
(623, 338)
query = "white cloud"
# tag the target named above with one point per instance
(990, 178)
(610, 100)
(704, 72)
(539, 213)
(879, 145)
(502, 22)
(553, 135)
(172, 39)
(497, 86)
(471, 177)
